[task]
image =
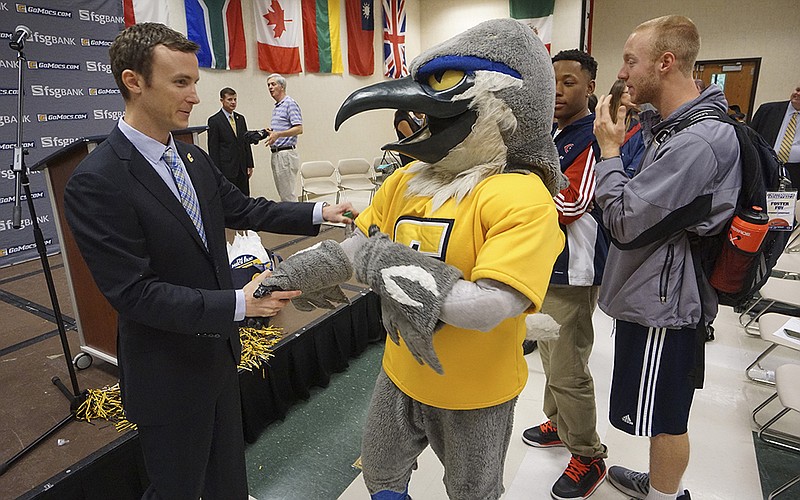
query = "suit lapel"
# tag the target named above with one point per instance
(140, 168)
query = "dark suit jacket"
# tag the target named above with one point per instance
(176, 340)
(767, 120)
(229, 152)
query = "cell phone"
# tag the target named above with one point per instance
(792, 333)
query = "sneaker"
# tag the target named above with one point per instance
(634, 484)
(542, 436)
(581, 477)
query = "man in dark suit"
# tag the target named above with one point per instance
(772, 121)
(227, 146)
(148, 214)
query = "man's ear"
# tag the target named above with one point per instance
(590, 88)
(133, 81)
(667, 61)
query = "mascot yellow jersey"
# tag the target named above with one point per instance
(507, 230)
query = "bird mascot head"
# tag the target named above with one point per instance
(489, 95)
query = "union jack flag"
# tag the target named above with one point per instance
(394, 38)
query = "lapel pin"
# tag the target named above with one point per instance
(189, 157)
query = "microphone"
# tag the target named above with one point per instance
(21, 33)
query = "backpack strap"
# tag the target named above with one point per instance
(697, 116)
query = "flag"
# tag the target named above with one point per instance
(360, 36)
(394, 38)
(538, 14)
(216, 26)
(145, 11)
(278, 35)
(321, 45)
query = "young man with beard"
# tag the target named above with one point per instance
(686, 187)
(569, 401)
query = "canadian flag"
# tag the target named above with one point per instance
(278, 28)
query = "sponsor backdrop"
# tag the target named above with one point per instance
(69, 94)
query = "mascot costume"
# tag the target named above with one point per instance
(459, 246)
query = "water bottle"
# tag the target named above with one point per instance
(350, 227)
(745, 236)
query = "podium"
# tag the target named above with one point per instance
(95, 318)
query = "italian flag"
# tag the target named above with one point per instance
(145, 11)
(321, 38)
(538, 14)
(278, 35)
(216, 26)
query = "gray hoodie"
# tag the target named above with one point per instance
(689, 184)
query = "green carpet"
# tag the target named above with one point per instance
(310, 454)
(776, 466)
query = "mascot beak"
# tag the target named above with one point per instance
(449, 119)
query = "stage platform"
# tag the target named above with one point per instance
(91, 460)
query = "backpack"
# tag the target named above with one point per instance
(761, 172)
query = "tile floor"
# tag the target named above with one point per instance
(723, 463)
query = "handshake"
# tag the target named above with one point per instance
(254, 136)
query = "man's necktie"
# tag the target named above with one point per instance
(188, 199)
(788, 139)
(233, 123)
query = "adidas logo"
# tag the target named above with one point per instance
(627, 419)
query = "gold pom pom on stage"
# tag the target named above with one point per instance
(257, 344)
(106, 403)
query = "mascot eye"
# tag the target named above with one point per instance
(445, 80)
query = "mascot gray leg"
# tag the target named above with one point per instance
(471, 444)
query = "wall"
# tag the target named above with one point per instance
(753, 31)
(319, 97)
(728, 29)
(441, 19)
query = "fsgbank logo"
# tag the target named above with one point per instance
(107, 114)
(54, 65)
(8, 64)
(11, 119)
(61, 117)
(42, 11)
(98, 67)
(94, 42)
(93, 91)
(102, 19)
(57, 92)
(57, 142)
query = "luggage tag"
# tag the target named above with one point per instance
(780, 209)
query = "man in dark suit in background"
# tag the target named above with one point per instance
(773, 120)
(227, 146)
(149, 215)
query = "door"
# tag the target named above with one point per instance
(738, 79)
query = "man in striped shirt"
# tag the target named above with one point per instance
(569, 401)
(286, 125)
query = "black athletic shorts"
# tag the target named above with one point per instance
(653, 381)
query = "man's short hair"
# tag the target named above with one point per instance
(279, 79)
(586, 61)
(676, 34)
(226, 92)
(133, 49)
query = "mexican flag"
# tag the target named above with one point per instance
(278, 24)
(216, 26)
(538, 14)
(321, 40)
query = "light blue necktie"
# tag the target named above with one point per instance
(188, 199)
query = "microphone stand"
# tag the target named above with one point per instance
(75, 397)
